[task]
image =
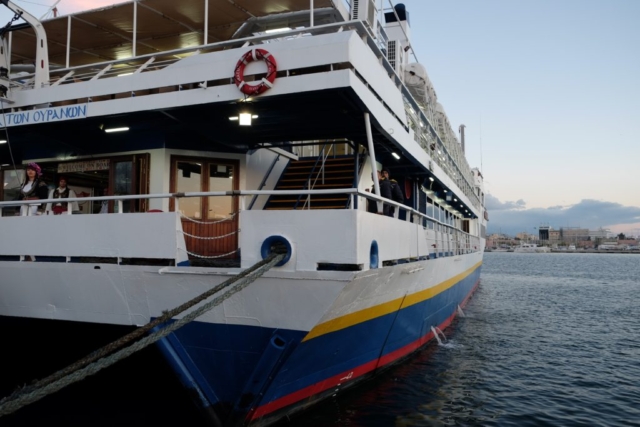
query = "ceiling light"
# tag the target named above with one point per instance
(278, 30)
(233, 118)
(255, 116)
(396, 156)
(431, 179)
(3, 141)
(124, 74)
(245, 119)
(455, 200)
(120, 129)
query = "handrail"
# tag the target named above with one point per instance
(354, 192)
(311, 187)
(358, 26)
(313, 169)
(264, 180)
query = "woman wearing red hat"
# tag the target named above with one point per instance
(34, 188)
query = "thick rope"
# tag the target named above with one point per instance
(97, 360)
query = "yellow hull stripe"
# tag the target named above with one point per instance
(392, 306)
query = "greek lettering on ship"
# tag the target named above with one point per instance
(45, 115)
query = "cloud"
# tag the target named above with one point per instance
(72, 6)
(493, 204)
(511, 217)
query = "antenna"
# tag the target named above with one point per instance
(52, 12)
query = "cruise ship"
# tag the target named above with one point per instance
(210, 140)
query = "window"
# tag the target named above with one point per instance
(204, 175)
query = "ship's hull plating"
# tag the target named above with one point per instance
(266, 352)
(287, 370)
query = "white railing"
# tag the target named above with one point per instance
(447, 236)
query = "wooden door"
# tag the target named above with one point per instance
(210, 224)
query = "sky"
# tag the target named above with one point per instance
(549, 91)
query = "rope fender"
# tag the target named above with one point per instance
(266, 82)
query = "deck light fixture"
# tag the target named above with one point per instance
(120, 129)
(278, 30)
(245, 119)
(243, 116)
(396, 156)
(3, 141)
(431, 178)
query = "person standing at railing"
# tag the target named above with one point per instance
(34, 188)
(385, 191)
(62, 192)
(396, 191)
(104, 207)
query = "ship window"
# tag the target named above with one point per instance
(188, 179)
(123, 177)
(205, 175)
(220, 179)
(12, 180)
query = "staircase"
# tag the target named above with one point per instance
(307, 173)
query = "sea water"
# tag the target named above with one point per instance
(548, 340)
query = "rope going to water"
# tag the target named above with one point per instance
(99, 360)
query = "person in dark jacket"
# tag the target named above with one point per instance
(34, 188)
(396, 191)
(385, 191)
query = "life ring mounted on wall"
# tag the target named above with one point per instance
(266, 83)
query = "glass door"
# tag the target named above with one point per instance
(210, 223)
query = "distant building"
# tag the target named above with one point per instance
(573, 235)
(600, 233)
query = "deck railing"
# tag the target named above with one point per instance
(455, 240)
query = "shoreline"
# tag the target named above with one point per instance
(586, 251)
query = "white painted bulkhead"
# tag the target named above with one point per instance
(132, 295)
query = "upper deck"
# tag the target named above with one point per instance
(168, 68)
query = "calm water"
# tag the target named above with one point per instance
(548, 339)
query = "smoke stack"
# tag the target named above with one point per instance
(461, 130)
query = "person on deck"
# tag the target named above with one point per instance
(396, 191)
(34, 188)
(104, 206)
(385, 191)
(62, 192)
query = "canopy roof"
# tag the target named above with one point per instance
(107, 33)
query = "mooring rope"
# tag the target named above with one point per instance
(99, 360)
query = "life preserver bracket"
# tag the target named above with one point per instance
(266, 83)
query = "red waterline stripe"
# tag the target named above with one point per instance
(336, 380)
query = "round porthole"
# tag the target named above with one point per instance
(274, 243)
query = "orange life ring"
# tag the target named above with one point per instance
(266, 82)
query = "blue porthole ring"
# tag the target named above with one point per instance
(374, 259)
(269, 244)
